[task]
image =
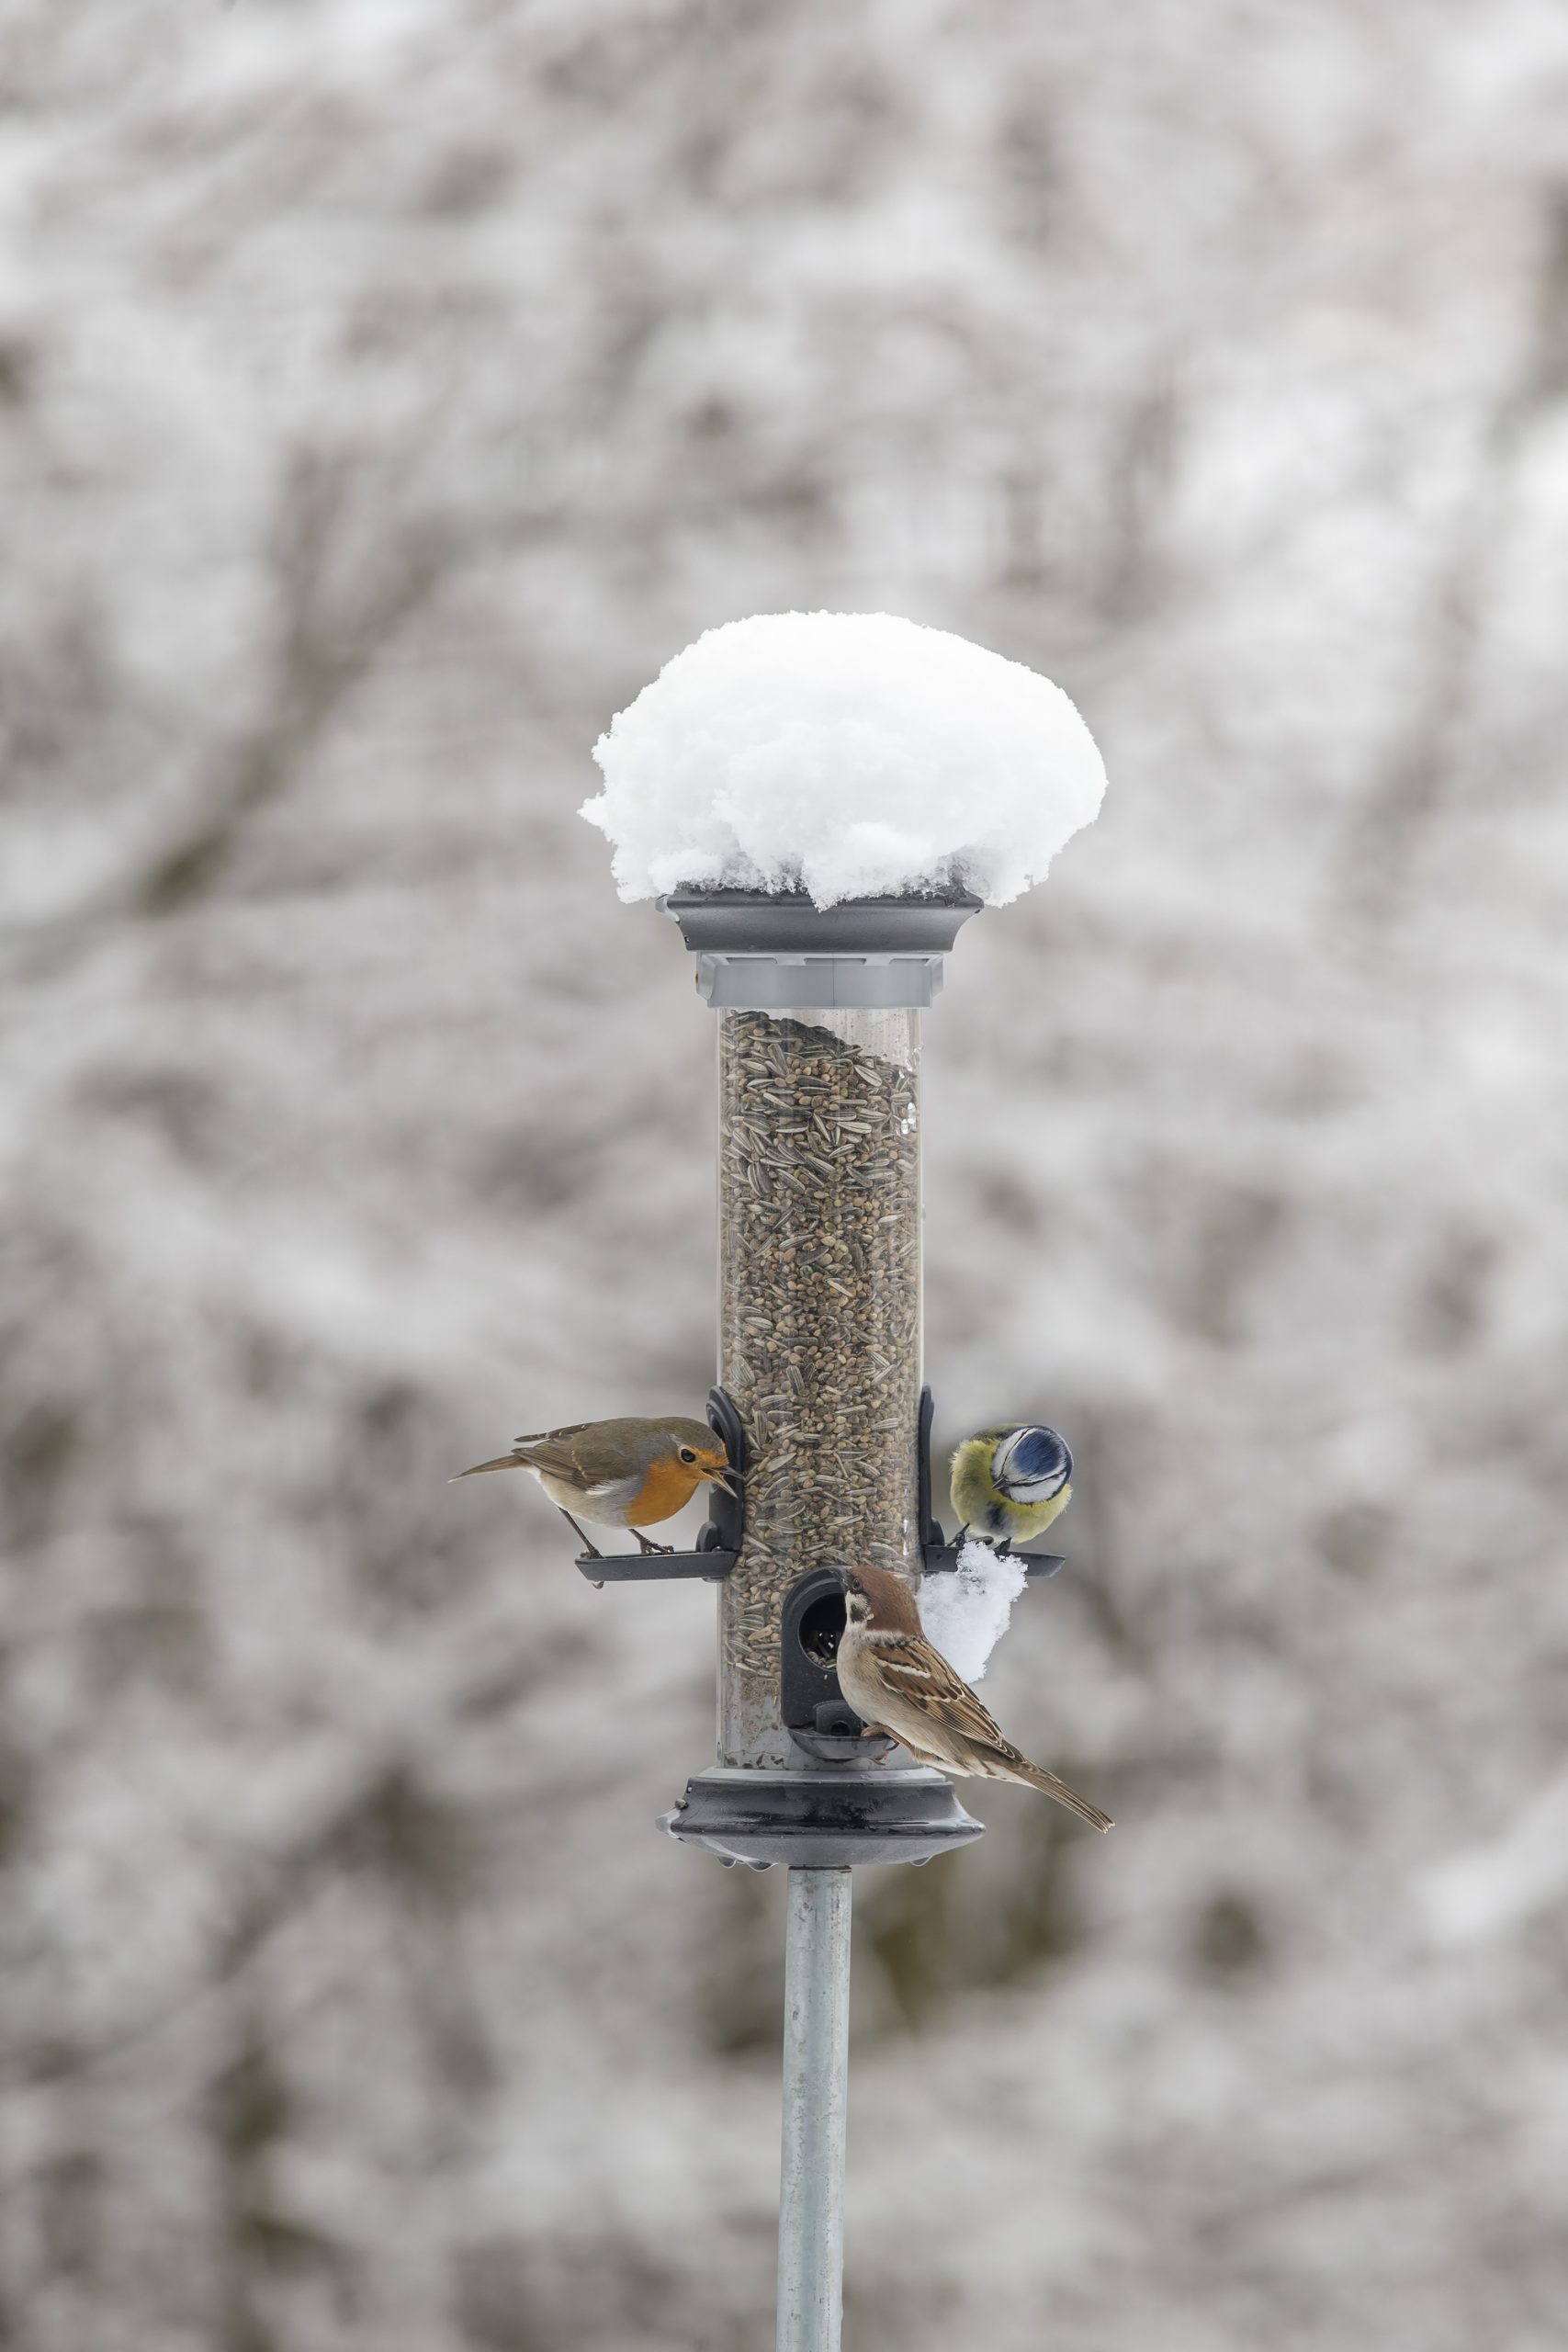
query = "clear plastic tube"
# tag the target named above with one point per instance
(819, 1314)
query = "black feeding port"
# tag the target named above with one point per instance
(821, 1627)
(816, 1713)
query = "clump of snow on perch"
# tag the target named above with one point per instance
(848, 754)
(966, 1611)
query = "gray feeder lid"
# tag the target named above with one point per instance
(763, 951)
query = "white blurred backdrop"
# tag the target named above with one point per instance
(386, 388)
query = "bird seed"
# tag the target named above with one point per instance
(819, 1285)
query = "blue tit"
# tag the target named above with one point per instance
(1010, 1482)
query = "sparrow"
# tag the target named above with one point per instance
(1011, 1481)
(618, 1472)
(898, 1684)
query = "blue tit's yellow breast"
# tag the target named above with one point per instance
(1032, 1519)
(975, 1495)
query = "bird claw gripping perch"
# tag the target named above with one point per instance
(718, 1542)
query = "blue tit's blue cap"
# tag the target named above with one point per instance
(1036, 1456)
(1043, 1451)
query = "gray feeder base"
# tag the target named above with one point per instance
(822, 1821)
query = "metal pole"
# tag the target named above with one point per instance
(815, 2097)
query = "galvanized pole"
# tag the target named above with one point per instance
(816, 2098)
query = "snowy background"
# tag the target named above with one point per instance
(386, 388)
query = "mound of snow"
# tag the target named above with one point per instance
(848, 754)
(966, 1611)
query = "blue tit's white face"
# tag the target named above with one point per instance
(1031, 1465)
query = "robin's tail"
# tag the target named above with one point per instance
(1038, 1777)
(502, 1461)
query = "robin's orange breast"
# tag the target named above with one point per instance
(668, 1488)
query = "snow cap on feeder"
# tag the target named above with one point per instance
(843, 756)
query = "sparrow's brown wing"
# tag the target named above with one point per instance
(924, 1681)
(923, 1678)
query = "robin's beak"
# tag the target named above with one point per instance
(729, 1478)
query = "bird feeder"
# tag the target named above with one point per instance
(822, 1403)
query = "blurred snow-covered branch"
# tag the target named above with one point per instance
(339, 589)
(1494, 1888)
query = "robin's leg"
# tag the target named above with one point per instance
(650, 1549)
(589, 1548)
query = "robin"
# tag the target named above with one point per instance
(620, 1472)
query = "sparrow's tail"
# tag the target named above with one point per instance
(502, 1461)
(1038, 1777)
